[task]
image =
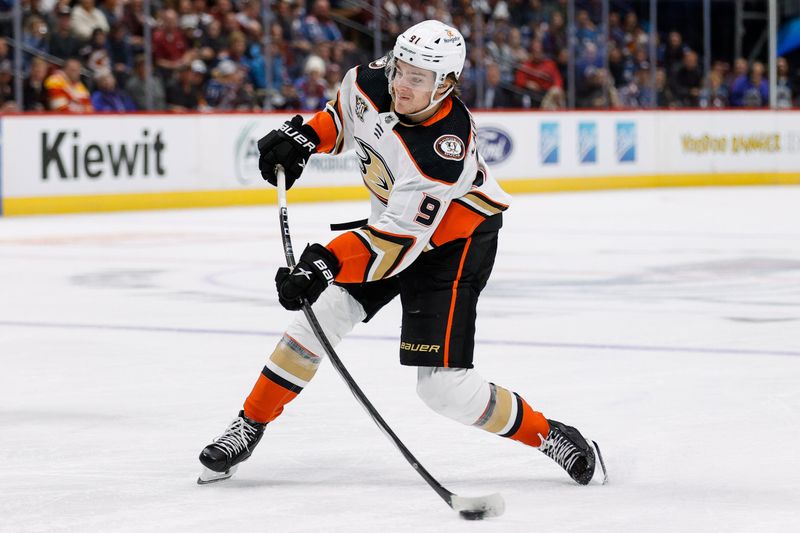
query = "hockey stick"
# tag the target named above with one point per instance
(475, 508)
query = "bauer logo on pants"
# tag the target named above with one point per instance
(415, 347)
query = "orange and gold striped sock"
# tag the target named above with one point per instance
(508, 415)
(288, 370)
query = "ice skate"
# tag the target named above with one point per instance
(566, 446)
(221, 457)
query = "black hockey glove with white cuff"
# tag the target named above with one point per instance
(289, 146)
(313, 273)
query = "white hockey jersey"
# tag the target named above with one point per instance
(428, 183)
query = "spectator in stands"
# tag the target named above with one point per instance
(113, 11)
(65, 90)
(538, 76)
(785, 89)
(672, 52)
(7, 95)
(589, 58)
(472, 75)
(555, 36)
(62, 43)
(170, 48)
(4, 52)
(686, 81)
(751, 90)
(497, 95)
(501, 54)
(249, 18)
(85, 18)
(311, 88)
(286, 99)
(585, 31)
(279, 74)
(95, 53)
(615, 32)
(211, 43)
(221, 9)
(228, 90)
(200, 10)
(715, 94)
(138, 84)
(34, 93)
(107, 98)
(665, 98)
(133, 19)
(256, 62)
(333, 80)
(318, 26)
(597, 90)
(235, 51)
(740, 69)
(120, 53)
(34, 36)
(185, 93)
(620, 67)
(635, 36)
(638, 93)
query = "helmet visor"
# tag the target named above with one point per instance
(412, 77)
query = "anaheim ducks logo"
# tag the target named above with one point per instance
(374, 171)
(449, 147)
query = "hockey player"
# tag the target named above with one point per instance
(431, 238)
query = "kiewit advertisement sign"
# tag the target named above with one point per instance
(61, 163)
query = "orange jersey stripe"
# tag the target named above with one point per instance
(453, 304)
(323, 124)
(458, 223)
(443, 111)
(354, 256)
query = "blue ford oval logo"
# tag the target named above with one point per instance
(494, 144)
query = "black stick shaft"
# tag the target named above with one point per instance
(288, 251)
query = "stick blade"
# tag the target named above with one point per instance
(478, 508)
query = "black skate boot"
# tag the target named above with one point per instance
(231, 448)
(566, 446)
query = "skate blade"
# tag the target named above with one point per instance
(209, 476)
(600, 474)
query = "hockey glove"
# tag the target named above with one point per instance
(314, 272)
(289, 146)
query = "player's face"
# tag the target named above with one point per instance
(412, 87)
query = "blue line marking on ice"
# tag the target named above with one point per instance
(490, 342)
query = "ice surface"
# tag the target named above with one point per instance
(665, 324)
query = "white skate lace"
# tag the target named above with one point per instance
(235, 438)
(559, 449)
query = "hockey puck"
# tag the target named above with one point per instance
(472, 515)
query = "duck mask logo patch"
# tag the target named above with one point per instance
(449, 147)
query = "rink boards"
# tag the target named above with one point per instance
(76, 163)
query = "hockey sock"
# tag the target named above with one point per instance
(287, 372)
(508, 415)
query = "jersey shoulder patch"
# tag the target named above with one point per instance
(373, 84)
(439, 149)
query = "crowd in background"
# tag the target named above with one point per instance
(210, 55)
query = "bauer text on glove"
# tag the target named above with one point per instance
(289, 146)
(315, 270)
